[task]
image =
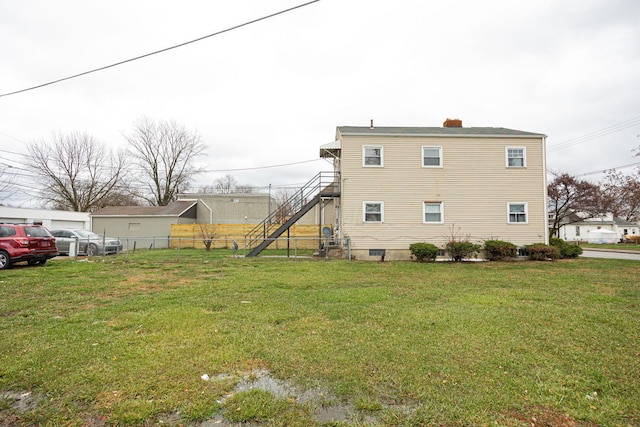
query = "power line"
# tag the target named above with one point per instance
(260, 167)
(595, 134)
(630, 165)
(203, 171)
(235, 27)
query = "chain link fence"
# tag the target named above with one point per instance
(292, 247)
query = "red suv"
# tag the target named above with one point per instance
(25, 242)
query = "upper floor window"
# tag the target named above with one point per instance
(372, 155)
(432, 157)
(517, 213)
(516, 157)
(433, 212)
(373, 211)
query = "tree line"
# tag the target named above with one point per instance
(76, 172)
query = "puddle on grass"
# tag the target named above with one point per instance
(327, 408)
(21, 402)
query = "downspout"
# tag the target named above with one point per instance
(545, 191)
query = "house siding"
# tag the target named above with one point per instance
(473, 184)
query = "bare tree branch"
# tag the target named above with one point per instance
(228, 184)
(165, 152)
(622, 195)
(76, 172)
(7, 183)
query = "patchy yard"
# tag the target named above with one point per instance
(208, 339)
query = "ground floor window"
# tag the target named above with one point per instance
(433, 212)
(517, 212)
(373, 211)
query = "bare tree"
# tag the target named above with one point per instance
(7, 183)
(244, 188)
(207, 234)
(225, 185)
(572, 200)
(75, 171)
(621, 195)
(228, 184)
(284, 205)
(165, 152)
(121, 196)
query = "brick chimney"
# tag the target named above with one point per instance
(452, 123)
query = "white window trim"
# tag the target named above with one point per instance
(424, 221)
(364, 150)
(364, 211)
(439, 154)
(526, 212)
(524, 159)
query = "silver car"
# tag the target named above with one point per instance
(88, 243)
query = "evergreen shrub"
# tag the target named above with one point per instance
(542, 252)
(498, 250)
(424, 251)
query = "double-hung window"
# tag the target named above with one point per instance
(373, 211)
(517, 212)
(516, 157)
(433, 213)
(432, 157)
(372, 155)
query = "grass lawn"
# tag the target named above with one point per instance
(150, 339)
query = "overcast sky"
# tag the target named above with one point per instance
(272, 92)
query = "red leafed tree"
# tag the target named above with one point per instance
(572, 200)
(621, 194)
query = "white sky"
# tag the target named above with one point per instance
(271, 93)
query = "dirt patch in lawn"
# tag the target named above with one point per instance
(548, 417)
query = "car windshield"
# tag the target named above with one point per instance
(87, 234)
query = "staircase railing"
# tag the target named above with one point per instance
(324, 184)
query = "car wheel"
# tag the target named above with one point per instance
(92, 250)
(5, 261)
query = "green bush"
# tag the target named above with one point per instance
(424, 251)
(567, 250)
(542, 252)
(497, 250)
(461, 250)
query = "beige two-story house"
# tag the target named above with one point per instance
(402, 185)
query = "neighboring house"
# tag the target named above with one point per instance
(402, 185)
(236, 208)
(147, 221)
(152, 224)
(49, 218)
(591, 229)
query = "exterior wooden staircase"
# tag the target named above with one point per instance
(322, 186)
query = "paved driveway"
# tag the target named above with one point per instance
(610, 253)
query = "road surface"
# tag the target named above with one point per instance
(610, 254)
